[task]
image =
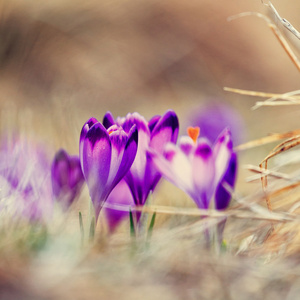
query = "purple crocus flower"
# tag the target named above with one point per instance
(199, 168)
(67, 178)
(105, 156)
(25, 180)
(120, 195)
(205, 117)
(155, 134)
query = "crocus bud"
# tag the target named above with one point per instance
(106, 155)
(67, 178)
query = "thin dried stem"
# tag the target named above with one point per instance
(261, 94)
(276, 32)
(277, 103)
(292, 139)
(285, 45)
(290, 98)
(284, 189)
(284, 146)
(264, 172)
(263, 214)
(266, 140)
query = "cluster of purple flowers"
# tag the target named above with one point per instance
(122, 160)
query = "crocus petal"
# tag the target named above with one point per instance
(118, 139)
(59, 171)
(108, 120)
(86, 127)
(222, 154)
(153, 121)
(135, 177)
(67, 178)
(95, 162)
(120, 195)
(133, 119)
(203, 173)
(139, 165)
(186, 145)
(126, 152)
(174, 166)
(165, 130)
(222, 196)
(76, 175)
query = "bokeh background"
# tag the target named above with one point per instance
(64, 61)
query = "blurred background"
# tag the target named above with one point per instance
(62, 62)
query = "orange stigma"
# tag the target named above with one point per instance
(193, 133)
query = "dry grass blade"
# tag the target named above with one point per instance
(285, 45)
(277, 103)
(257, 213)
(283, 190)
(290, 98)
(283, 144)
(266, 140)
(282, 147)
(263, 172)
(283, 21)
(262, 94)
(276, 32)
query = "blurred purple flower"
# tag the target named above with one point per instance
(120, 195)
(214, 117)
(67, 178)
(25, 180)
(105, 156)
(155, 134)
(200, 169)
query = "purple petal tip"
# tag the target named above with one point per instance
(86, 127)
(222, 195)
(96, 133)
(203, 150)
(169, 119)
(108, 120)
